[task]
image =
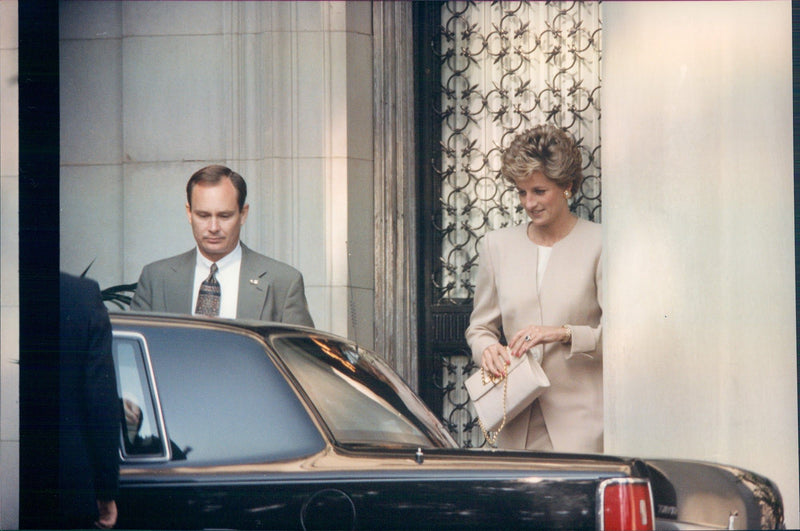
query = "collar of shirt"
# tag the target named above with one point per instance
(227, 276)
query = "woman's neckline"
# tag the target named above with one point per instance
(557, 236)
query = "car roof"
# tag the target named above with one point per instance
(259, 327)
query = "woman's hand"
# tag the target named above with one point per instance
(530, 336)
(495, 359)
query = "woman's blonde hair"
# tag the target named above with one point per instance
(547, 149)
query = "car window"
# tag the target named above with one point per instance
(223, 399)
(142, 433)
(362, 401)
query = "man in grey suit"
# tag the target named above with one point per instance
(245, 284)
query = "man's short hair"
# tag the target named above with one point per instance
(214, 174)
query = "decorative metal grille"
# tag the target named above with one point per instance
(505, 67)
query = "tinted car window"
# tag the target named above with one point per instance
(224, 401)
(362, 401)
(142, 433)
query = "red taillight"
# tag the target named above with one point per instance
(625, 505)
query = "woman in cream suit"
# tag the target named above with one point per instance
(539, 283)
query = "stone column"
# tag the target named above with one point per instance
(395, 186)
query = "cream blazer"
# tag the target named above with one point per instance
(507, 299)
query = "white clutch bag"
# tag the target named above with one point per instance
(498, 399)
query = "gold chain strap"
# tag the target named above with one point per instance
(492, 440)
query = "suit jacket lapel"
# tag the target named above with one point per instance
(178, 292)
(253, 286)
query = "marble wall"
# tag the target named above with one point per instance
(698, 219)
(279, 91)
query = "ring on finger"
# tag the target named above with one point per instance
(527, 338)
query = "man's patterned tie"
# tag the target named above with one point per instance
(208, 297)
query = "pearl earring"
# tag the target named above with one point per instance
(567, 194)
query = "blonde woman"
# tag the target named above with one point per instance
(539, 286)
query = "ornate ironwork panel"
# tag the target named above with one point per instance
(501, 67)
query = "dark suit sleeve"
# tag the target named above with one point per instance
(295, 309)
(143, 296)
(103, 400)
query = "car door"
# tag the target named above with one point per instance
(213, 435)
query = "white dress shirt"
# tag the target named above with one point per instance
(227, 276)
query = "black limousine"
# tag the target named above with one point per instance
(252, 425)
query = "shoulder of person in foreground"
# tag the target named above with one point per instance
(68, 282)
